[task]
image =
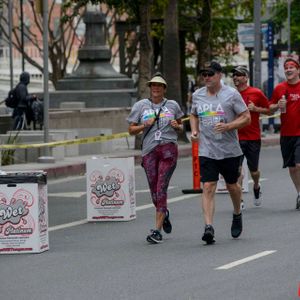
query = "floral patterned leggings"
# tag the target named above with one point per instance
(159, 166)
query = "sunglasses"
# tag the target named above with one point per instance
(238, 74)
(208, 74)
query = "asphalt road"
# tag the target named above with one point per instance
(112, 260)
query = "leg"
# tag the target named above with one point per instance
(235, 192)
(150, 164)
(208, 201)
(168, 160)
(230, 171)
(255, 176)
(295, 176)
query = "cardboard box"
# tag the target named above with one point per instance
(110, 189)
(23, 212)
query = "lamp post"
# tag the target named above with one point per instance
(22, 34)
(11, 62)
(257, 43)
(289, 26)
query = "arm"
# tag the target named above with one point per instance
(241, 120)
(261, 110)
(135, 129)
(194, 122)
(177, 125)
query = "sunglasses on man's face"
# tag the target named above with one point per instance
(208, 74)
(237, 74)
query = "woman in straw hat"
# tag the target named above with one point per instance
(159, 121)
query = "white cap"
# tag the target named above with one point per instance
(157, 79)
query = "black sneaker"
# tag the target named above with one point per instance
(208, 235)
(154, 237)
(298, 202)
(257, 196)
(237, 225)
(167, 226)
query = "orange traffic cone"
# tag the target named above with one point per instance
(196, 171)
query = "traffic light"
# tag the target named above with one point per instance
(38, 6)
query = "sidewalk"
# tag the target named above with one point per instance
(76, 165)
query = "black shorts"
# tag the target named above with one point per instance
(251, 150)
(227, 167)
(290, 150)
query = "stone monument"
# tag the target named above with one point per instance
(95, 82)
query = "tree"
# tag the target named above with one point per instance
(279, 19)
(171, 51)
(62, 36)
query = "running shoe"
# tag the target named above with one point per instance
(257, 196)
(237, 225)
(154, 237)
(242, 205)
(208, 235)
(167, 226)
(298, 202)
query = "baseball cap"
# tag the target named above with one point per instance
(212, 66)
(292, 60)
(240, 69)
(157, 78)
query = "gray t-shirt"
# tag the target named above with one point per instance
(144, 110)
(222, 107)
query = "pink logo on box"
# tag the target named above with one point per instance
(107, 190)
(14, 213)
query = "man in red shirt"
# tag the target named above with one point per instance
(249, 136)
(286, 97)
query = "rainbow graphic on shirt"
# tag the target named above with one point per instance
(211, 113)
(163, 115)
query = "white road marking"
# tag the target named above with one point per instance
(147, 190)
(245, 260)
(67, 225)
(80, 194)
(261, 179)
(67, 194)
(142, 207)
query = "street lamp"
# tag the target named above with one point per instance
(289, 26)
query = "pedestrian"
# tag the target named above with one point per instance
(250, 135)
(218, 110)
(23, 109)
(286, 98)
(159, 121)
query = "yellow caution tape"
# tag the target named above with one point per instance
(269, 117)
(92, 139)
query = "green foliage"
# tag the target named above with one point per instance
(7, 157)
(280, 15)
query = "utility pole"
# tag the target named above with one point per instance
(22, 34)
(11, 59)
(289, 26)
(46, 75)
(257, 44)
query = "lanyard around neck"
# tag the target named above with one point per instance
(157, 114)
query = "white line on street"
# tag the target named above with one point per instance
(67, 194)
(147, 190)
(245, 260)
(142, 207)
(67, 225)
(80, 194)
